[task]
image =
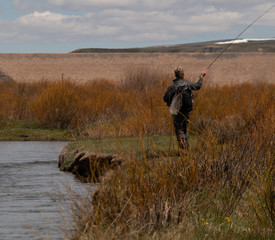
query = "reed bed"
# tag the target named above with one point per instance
(223, 188)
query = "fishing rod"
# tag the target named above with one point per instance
(238, 37)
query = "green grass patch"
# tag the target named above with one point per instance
(29, 131)
(149, 147)
(137, 146)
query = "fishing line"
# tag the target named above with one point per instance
(238, 37)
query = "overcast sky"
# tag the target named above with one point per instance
(57, 26)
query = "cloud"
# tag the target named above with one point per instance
(235, 4)
(254, 11)
(27, 6)
(43, 19)
(90, 5)
(142, 5)
(69, 5)
(79, 4)
(48, 27)
(219, 19)
(158, 4)
(51, 21)
(121, 25)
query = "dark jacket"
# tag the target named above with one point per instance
(169, 94)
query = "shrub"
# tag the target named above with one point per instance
(57, 105)
(140, 77)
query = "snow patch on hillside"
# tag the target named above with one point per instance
(246, 40)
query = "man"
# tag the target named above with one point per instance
(182, 89)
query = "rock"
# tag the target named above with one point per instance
(88, 166)
(65, 158)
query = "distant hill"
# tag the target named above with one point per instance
(239, 45)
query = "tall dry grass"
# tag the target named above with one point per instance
(217, 191)
(57, 105)
(223, 187)
(132, 107)
(126, 108)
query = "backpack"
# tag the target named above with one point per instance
(182, 100)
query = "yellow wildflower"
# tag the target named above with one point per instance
(205, 223)
(228, 219)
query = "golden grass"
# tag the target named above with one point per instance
(216, 191)
(230, 68)
(131, 107)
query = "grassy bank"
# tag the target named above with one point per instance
(121, 145)
(143, 147)
(115, 148)
(222, 189)
(28, 131)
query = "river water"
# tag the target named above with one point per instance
(30, 189)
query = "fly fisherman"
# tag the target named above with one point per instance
(179, 98)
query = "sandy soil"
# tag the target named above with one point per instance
(230, 68)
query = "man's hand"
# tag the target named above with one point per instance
(203, 73)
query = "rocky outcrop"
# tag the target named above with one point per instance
(88, 166)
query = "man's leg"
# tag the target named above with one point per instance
(181, 123)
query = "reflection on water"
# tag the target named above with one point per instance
(30, 183)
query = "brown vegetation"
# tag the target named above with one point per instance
(222, 188)
(230, 68)
(131, 107)
(94, 108)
